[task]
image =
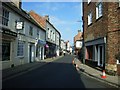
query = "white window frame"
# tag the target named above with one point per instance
(89, 18)
(48, 33)
(118, 61)
(20, 49)
(89, 1)
(5, 18)
(51, 35)
(99, 10)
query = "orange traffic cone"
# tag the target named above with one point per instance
(103, 74)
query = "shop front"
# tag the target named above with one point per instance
(40, 50)
(8, 38)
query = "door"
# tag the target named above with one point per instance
(5, 50)
(30, 53)
(41, 53)
(100, 55)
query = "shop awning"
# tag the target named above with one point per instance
(41, 42)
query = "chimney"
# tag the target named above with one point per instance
(79, 31)
(47, 17)
(18, 3)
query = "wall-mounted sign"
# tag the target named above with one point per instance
(19, 25)
(78, 44)
(8, 32)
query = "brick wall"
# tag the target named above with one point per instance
(113, 35)
(106, 26)
(98, 28)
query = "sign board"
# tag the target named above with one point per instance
(19, 25)
(78, 44)
(9, 32)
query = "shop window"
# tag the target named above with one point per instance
(5, 50)
(5, 17)
(20, 51)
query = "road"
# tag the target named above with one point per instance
(57, 74)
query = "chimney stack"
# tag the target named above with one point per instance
(79, 31)
(18, 3)
(47, 17)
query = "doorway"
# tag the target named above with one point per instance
(100, 55)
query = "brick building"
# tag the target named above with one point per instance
(102, 34)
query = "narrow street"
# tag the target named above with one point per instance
(58, 74)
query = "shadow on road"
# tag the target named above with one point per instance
(57, 74)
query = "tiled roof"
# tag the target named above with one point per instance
(39, 19)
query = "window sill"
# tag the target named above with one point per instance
(97, 19)
(90, 24)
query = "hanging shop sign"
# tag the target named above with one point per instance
(19, 25)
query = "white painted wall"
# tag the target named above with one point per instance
(26, 38)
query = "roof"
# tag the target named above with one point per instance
(39, 19)
(54, 27)
(21, 12)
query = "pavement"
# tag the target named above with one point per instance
(94, 73)
(11, 72)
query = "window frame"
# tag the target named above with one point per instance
(38, 34)
(30, 30)
(89, 1)
(19, 49)
(5, 18)
(90, 18)
(99, 10)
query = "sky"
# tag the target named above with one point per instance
(65, 16)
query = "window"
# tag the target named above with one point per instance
(5, 17)
(37, 50)
(89, 1)
(5, 50)
(51, 35)
(38, 34)
(31, 31)
(99, 10)
(20, 48)
(89, 18)
(48, 33)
